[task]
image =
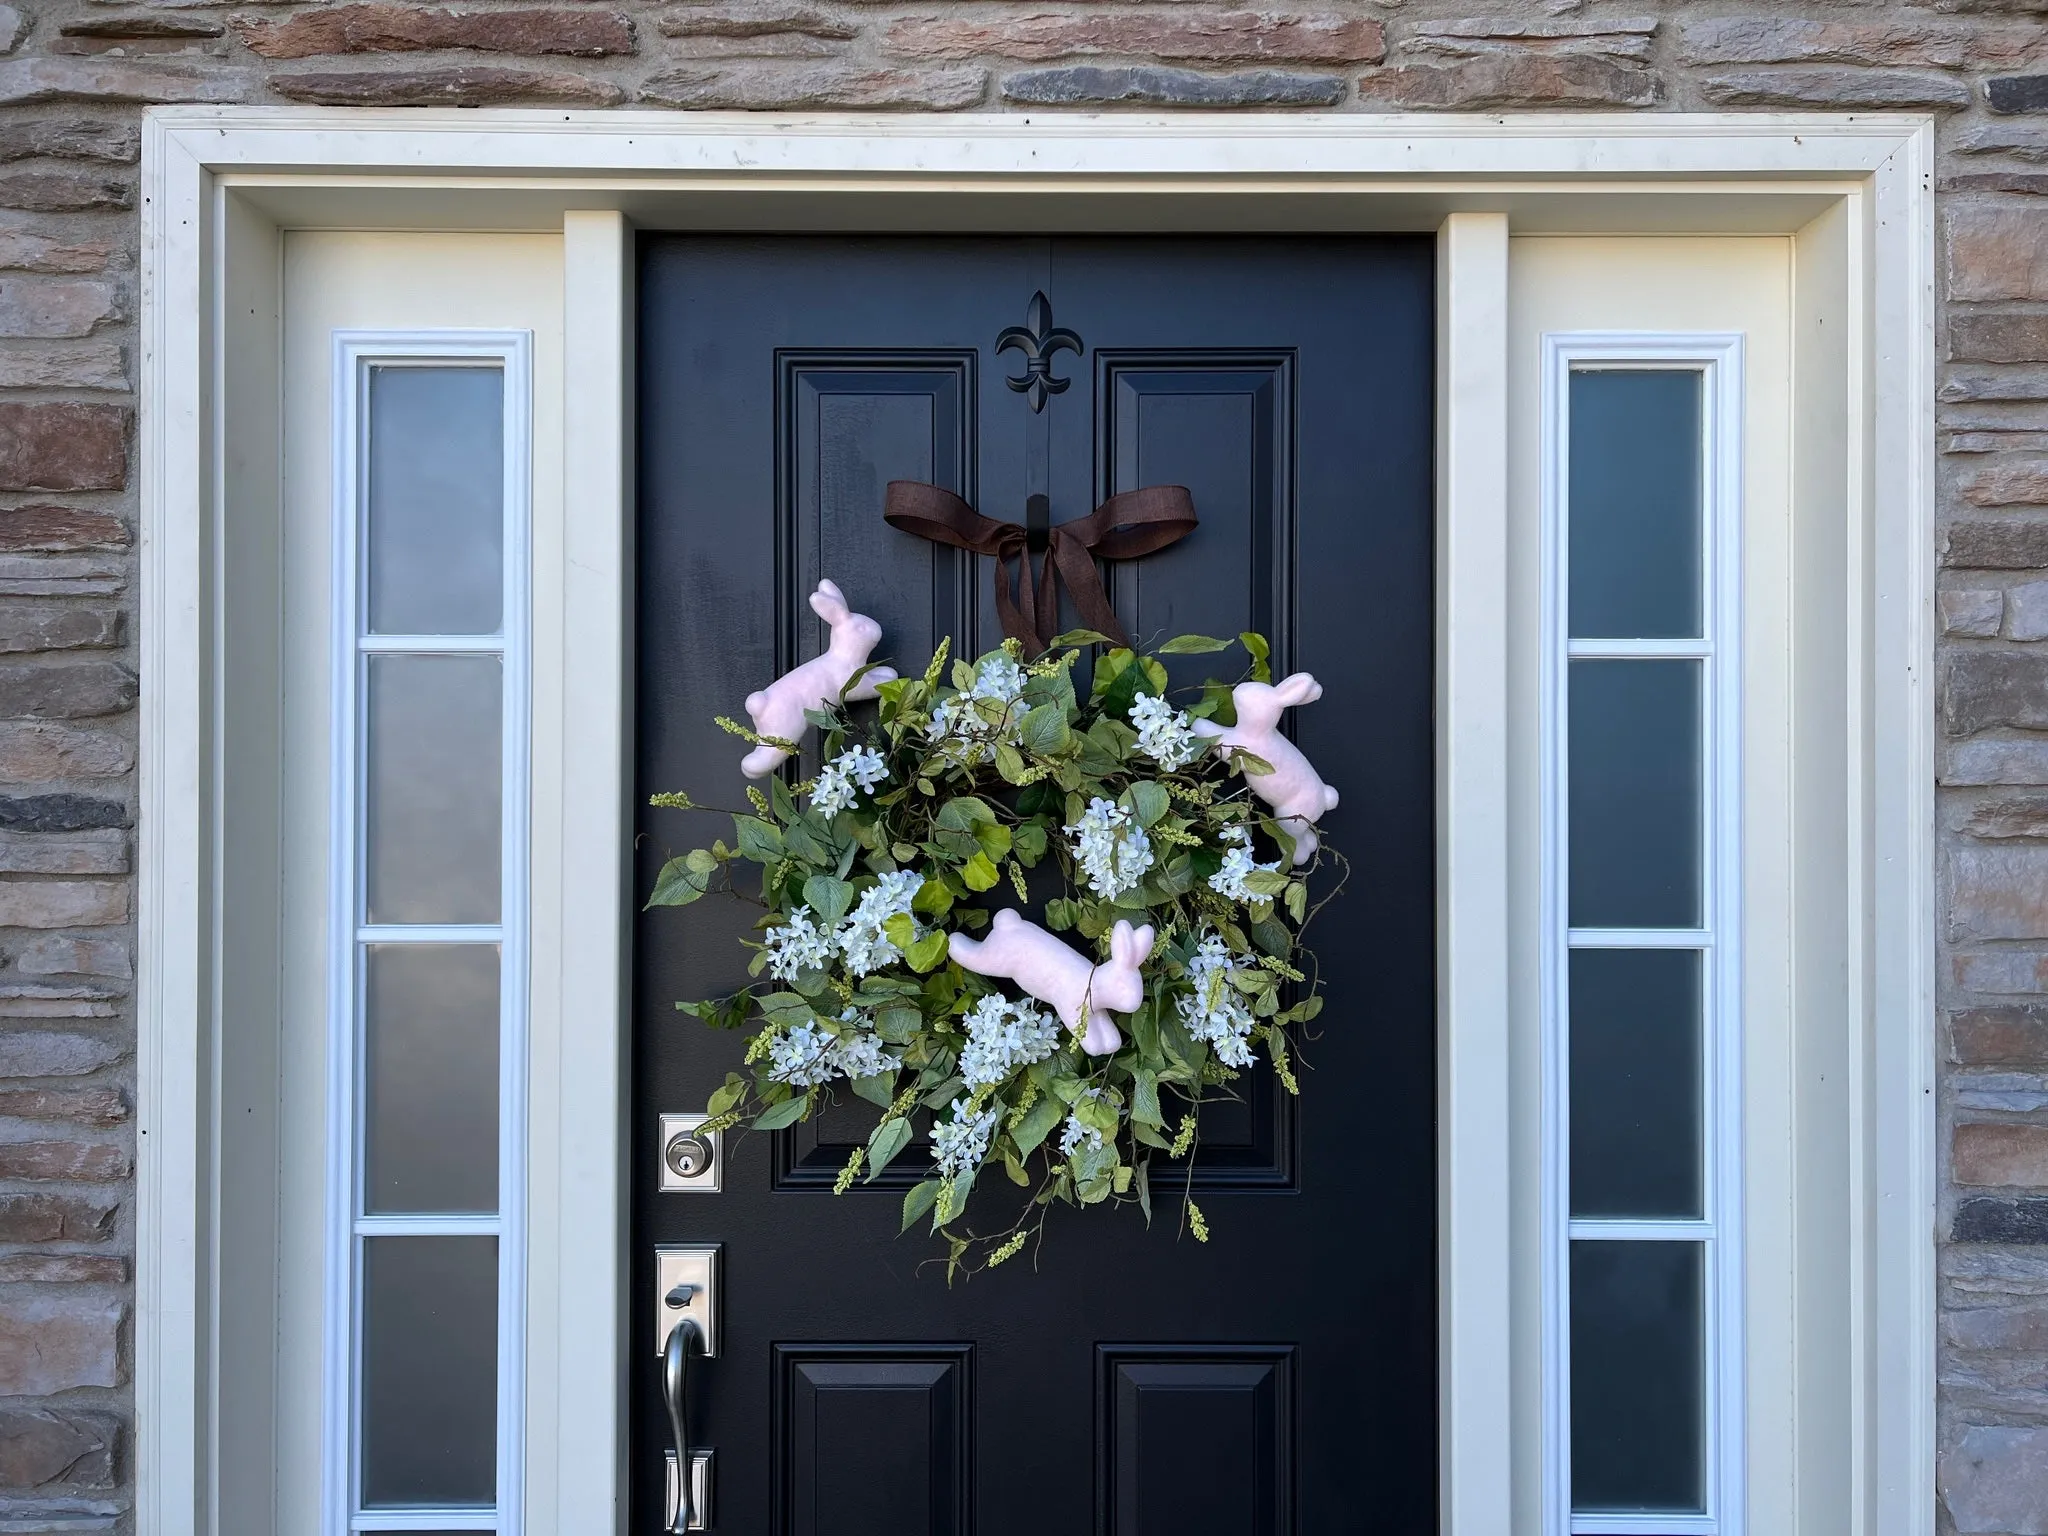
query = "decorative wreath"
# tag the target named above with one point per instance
(894, 955)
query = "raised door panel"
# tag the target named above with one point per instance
(1195, 1440)
(850, 423)
(874, 1438)
(1219, 421)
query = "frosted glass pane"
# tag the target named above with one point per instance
(1638, 1376)
(1635, 803)
(1635, 1083)
(434, 819)
(431, 1059)
(1635, 498)
(436, 500)
(430, 1371)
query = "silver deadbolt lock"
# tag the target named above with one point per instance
(689, 1156)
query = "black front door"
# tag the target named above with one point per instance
(1280, 1378)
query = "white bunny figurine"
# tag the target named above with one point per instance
(1061, 978)
(1297, 794)
(778, 709)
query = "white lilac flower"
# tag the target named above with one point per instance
(998, 677)
(802, 1056)
(798, 944)
(1229, 881)
(1164, 734)
(839, 781)
(860, 1054)
(1214, 1010)
(860, 937)
(1003, 1036)
(1076, 1133)
(1110, 847)
(961, 1141)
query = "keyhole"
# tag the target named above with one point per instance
(688, 1154)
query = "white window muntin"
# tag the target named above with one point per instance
(1717, 358)
(356, 354)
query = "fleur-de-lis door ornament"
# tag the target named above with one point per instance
(1040, 342)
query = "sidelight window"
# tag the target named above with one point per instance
(1641, 983)
(428, 1019)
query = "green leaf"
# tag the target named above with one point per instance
(1037, 1124)
(1117, 679)
(788, 1112)
(1271, 935)
(994, 838)
(945, 1092)
(1250, 762)
(963, 1187)
(731, 1092)
(1010, 763)
(980, 873)
(890, 1137)
(928, 953)
(963, 675)
(1059, 914)
(918, 1199)
(1145, 1098)
(879, 1090)
(1192, 645)
(900, 929)
(759, 840)
(677, 885)
(1261, 654)
(1044, 730)
(1149, 801)
(1027, 841)
(1297, 900)
(803, 841)
(897, 1025)
(1076, 637)
(702, 861)
(963, 813)
(788, 1008)
(1265, 882)
(933, 899)
(1178, 878)
(829, 898)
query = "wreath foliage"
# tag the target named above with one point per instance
(966, 790)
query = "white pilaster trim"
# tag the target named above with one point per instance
(1474, 933)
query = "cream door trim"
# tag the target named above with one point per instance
(219, 185)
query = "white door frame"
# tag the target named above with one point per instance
(219, 184)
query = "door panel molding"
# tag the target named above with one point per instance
(218, 186)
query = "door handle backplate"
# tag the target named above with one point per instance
(700, 1492)
(696, 1266)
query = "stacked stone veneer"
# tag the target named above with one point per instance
(73, 76)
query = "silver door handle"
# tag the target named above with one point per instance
(684, 1340)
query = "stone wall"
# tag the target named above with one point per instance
(74, 74)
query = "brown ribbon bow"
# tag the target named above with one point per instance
(1122, 528)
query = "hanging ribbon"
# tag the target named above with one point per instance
(1122, 528)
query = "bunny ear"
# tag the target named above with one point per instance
(1301, 688)
(828, 602)
(1141, 944)
(1119, 942)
